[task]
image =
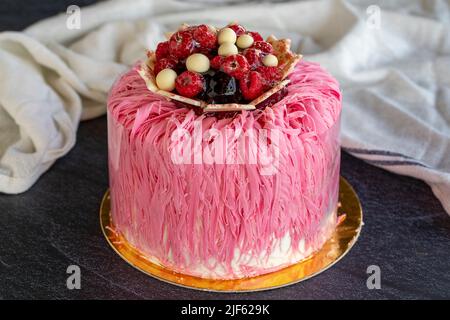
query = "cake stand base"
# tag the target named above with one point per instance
(343, 239)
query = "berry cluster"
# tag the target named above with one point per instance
(230, 65)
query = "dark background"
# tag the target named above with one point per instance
(56, 224)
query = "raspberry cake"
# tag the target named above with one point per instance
(224, 154)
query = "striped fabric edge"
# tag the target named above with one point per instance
(384, 158)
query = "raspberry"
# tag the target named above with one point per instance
(255, 35)
(254, 57)
(216, 62)
(238, 29)
(162, 50)
(251, 85)
(181, 44)
(204, 36)
(263, 46)
(164, 63)
(189, 84)
(270, 75)
(235, 65)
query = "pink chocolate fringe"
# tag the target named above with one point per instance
(187, 215)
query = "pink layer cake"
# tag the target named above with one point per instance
(225, 195)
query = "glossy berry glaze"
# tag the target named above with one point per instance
(220, 88)
(225, 220)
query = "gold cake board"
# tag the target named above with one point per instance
(333, 250)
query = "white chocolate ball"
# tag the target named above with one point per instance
(165, 80)
(270, 60)
(244, 41)
(227, 49)
(197, 62)
(226, 35)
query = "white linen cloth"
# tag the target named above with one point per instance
(394, 72)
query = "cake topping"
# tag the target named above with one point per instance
(181, 44)
(282, 49)
(244, 41)
(226, 49)
(256, 36)
(205, 36)
(165, 79)
(230, 69)
(221, 88)
(216, 62)
(165, 63)
(226, 35)
(235, 65)
(252, 85)
(270, 60)
(162, 50)
(238, 29)
(197, 62)
(189, 84)
(270, 75)
(263, 46)
(254, 57)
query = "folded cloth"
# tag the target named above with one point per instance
(392, 60)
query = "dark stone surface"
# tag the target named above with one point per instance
(56, 224)
(18, 14)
